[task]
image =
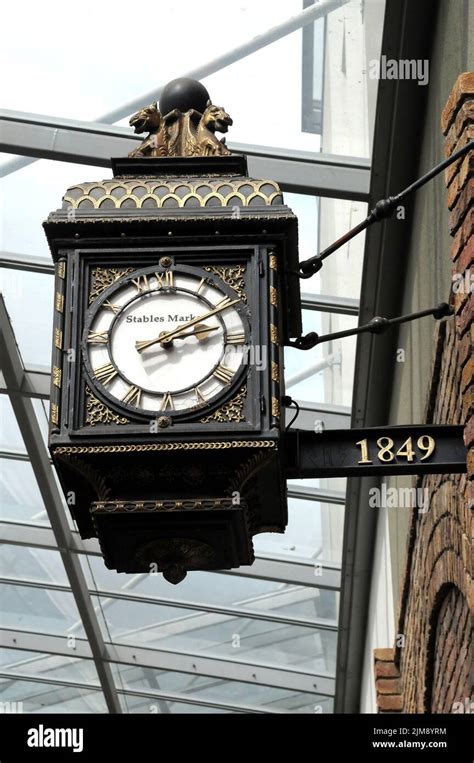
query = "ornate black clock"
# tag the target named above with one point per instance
(169, 340)
(174, 296)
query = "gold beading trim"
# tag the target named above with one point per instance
(273, 262)
(273, 296)
(73, 449)
(207, 504)
(61, 269)
(273, 333)
(58, 339)
(275, 372)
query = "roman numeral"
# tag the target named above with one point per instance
(133, 396)
(201, 284)
(167, 403)
(226, 302)
(105, 374)
(224, 374)
(141, 283)
(237, 337)
(165, 280)
(199, 396)
(98, 337)
(111, 306)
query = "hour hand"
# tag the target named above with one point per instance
(201, 331)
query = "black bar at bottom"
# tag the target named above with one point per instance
(419, 449)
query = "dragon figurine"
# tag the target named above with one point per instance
(178, 134)
(150, 120)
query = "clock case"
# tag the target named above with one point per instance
(210, 480)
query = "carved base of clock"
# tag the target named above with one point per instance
(173, 536)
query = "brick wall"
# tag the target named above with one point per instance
(430, 667)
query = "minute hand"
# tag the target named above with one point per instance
(222, 306)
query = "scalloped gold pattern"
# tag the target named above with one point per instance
(132, 194)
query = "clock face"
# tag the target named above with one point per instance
(166, 340)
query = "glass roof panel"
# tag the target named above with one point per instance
(214, 689)
(311, 533)
(34, 564)
(40, 610)
(54, 666)
(33, 328)
(48, 698)
(11, 440)
(20, 498)
(217, 635)
(212, 589)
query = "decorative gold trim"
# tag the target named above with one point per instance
(102, 278)
(151, 218)
(98, 413)
(61, 269)
(71, 449)
(154, 193)
(59, 302)
(231, 411)
(232, 275)
(273, 296)
(273, 333)
(199, 504)
(58, 339)
(275, 407)
(275, 372)
(56, 376)
(54, 412)
(273, 262)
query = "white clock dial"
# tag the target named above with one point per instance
(166, 341)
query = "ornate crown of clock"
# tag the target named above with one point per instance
(172, 303)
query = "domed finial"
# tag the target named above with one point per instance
(184, 94)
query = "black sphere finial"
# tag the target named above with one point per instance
(184, 94)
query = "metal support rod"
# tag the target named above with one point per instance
(383, 208)
(377, 325)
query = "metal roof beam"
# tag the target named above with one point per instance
(179, 662)
(91, 143)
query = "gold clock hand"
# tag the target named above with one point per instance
(201, 331)
(170, 334)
